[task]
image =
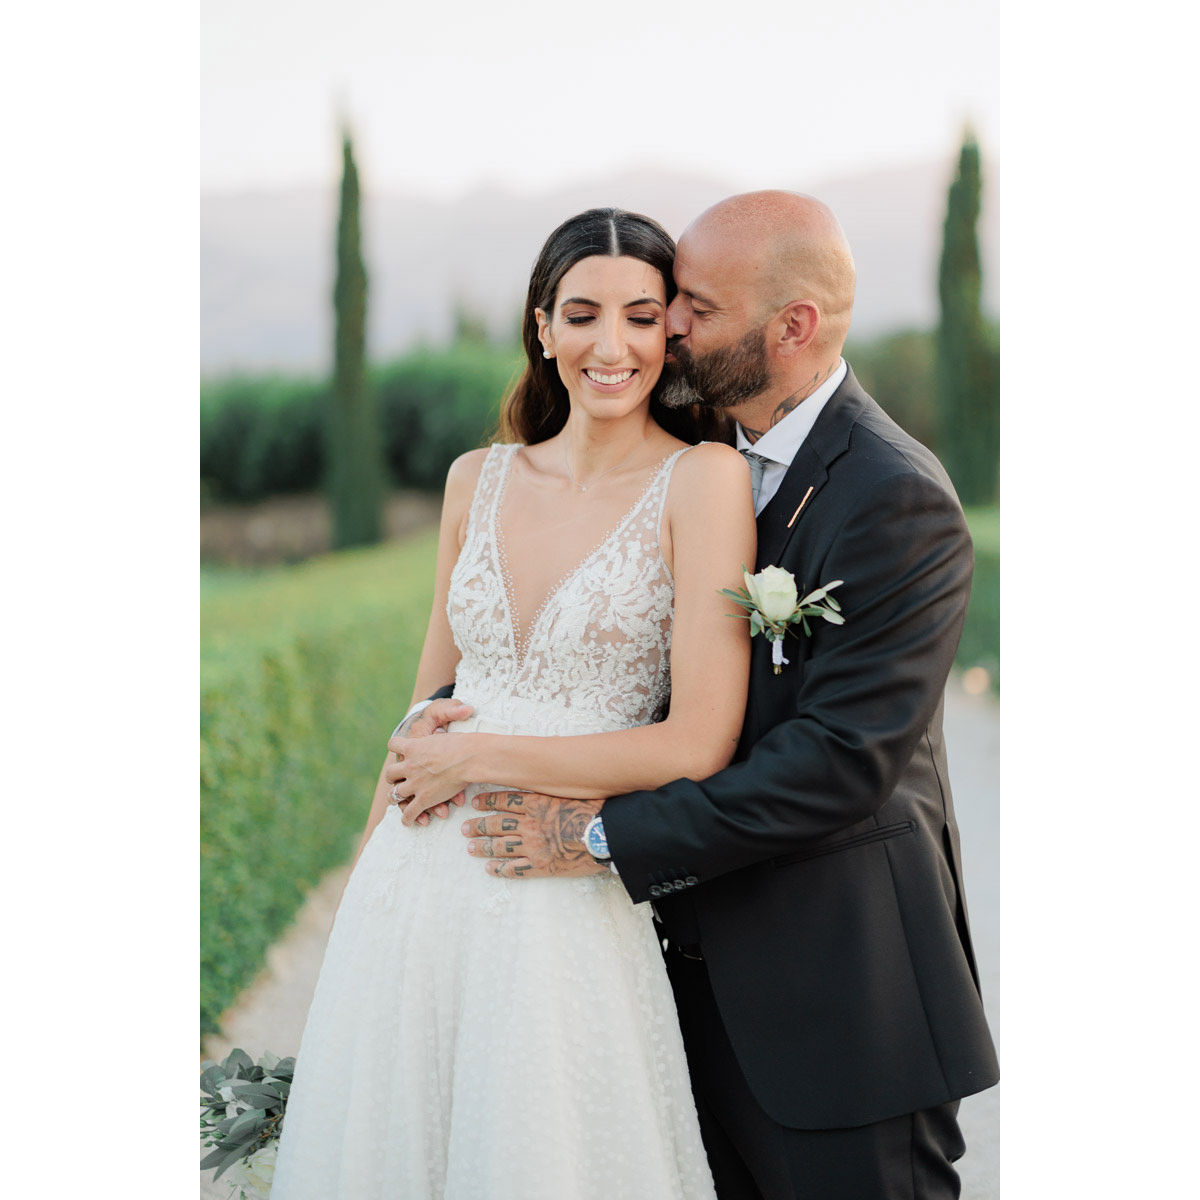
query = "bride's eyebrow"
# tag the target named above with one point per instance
(596, 303)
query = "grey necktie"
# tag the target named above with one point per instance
(757, 466)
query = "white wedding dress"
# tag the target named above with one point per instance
(473, 1038)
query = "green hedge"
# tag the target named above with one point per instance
(260, 436)
(980, 645)
(304, 672)
(264, 435)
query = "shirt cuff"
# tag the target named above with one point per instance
(420, 706)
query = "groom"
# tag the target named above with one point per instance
(810, 894)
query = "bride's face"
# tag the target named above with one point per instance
(608, 333)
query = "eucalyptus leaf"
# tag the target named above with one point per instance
(211, 1077)
(251, 1117)
(232, 1157)
(834, 618)
(833, 604)
(240, 1087)
(238, 1059)
(211, 1160)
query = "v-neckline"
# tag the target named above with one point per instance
(521, 645)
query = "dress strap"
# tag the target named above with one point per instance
(663, 481)
(490, 484)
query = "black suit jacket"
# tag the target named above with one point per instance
(820, 871)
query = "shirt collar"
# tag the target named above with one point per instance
(782, 440)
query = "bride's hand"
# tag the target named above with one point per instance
(430, 771)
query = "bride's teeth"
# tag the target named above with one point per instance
(598, 378)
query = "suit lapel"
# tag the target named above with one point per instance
(807, 475)
(804, 479)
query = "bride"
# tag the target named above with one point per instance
(472, 1039)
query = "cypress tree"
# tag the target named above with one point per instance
(355, 475)
(967, 379)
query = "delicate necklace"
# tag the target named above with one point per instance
(583, 487)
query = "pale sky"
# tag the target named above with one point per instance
(446, 96)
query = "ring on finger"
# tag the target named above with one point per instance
(396, 797)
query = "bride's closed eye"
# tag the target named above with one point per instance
(584, 318)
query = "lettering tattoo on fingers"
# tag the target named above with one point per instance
(508, 825)
(511, 846)
(516, 799)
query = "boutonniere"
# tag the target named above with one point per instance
(774, 605)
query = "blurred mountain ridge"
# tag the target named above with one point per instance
(267, 257)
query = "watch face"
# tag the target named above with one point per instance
(594, 841)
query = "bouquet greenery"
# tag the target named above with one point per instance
(241, 1116)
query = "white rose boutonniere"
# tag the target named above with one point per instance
(774, 606)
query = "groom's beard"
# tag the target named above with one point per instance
(719, 379)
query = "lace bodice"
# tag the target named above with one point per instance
(597, 653)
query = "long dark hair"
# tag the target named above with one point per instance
(537, 407)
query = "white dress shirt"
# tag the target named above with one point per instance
(780, 443)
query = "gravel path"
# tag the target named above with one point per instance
(270, 1014)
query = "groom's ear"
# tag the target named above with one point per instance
(796, 326)
(543, 323)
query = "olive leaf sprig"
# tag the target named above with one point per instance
(242, 1106)
(774, 606)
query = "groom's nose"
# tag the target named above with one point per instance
(679, 318)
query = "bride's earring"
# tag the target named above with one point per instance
(547, 354)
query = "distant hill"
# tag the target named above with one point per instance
(266, 257)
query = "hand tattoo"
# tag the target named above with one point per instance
(548, 835)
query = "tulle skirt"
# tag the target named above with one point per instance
(473, 1038)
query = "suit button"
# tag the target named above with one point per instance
(680, 885)
(656, 890)
(691, 881)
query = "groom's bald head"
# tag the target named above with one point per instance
(781, 247)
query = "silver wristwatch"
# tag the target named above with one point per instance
(596, 844)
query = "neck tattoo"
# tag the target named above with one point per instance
(785, 406)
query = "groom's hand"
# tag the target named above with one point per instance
(526, 835)
(433, 718)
